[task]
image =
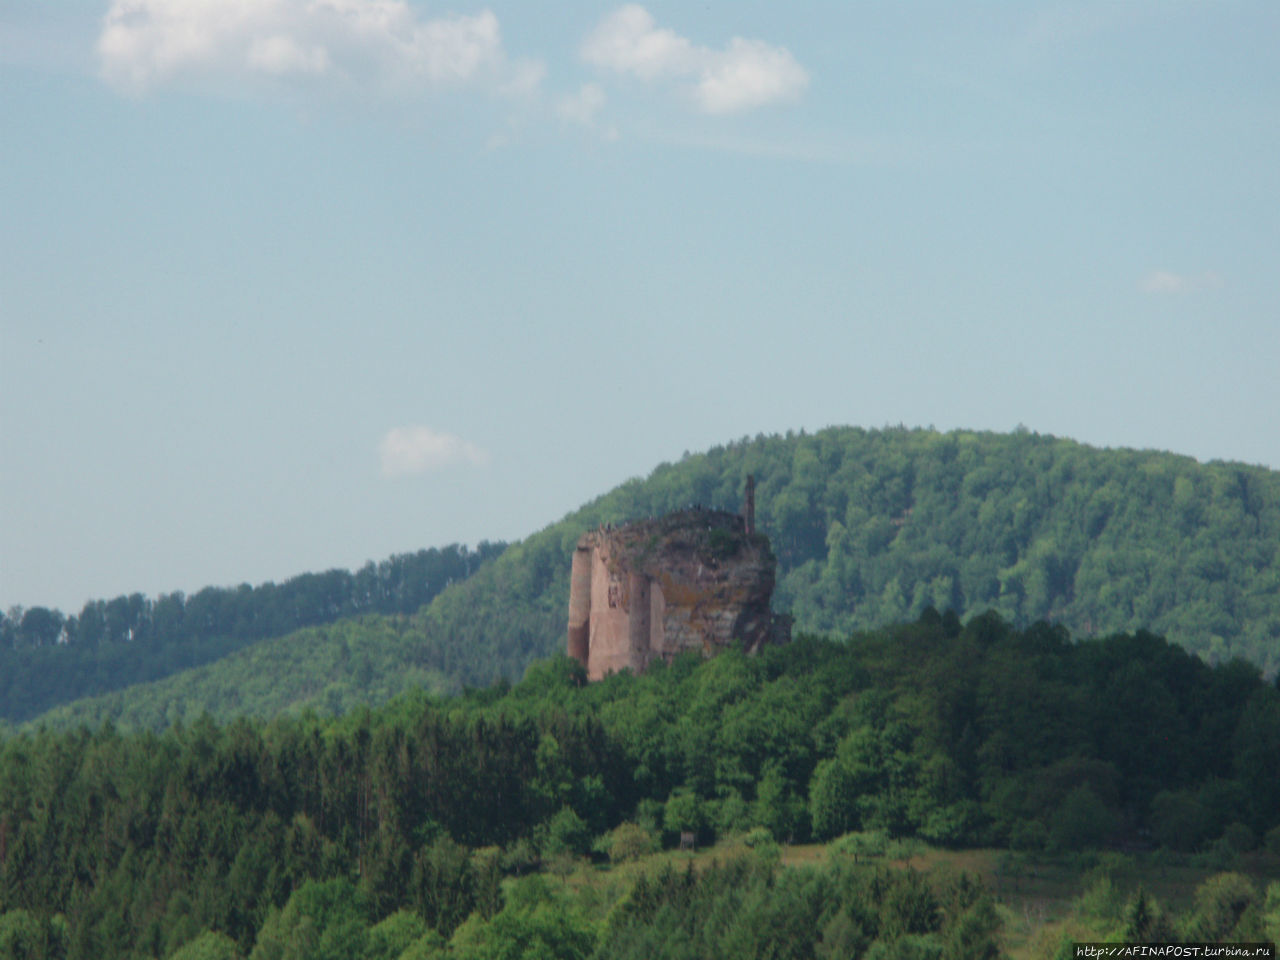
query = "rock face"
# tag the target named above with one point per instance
(692, 580)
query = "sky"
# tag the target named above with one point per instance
(288, 285)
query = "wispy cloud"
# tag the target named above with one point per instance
(417, 449)
(581, 107)
(1168, 282)
(383, 44)
(743, 75)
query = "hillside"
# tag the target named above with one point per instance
(327, 669)
(49, 658)
(266, 831)
(872, 526)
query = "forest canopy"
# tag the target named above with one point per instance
(48, 658)
(869, 526)
(255, 832)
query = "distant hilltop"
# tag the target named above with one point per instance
(695, 579)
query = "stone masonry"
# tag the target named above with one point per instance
(691, 580)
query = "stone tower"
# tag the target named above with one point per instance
(691, 580)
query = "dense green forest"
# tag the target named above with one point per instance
(872, 526)
(48, 658)
(328, 670)
(383, 831)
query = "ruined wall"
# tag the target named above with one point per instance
(692, 580)
(580, 604)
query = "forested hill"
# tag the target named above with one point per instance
(872, 526)
(48, 657)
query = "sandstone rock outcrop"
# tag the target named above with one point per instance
(691, 580)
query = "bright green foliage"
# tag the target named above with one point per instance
(1271, 913)
(393, 935)
(323, 920)
(1226, 908)
(628, 841)
(535, 924)
(210, 945)
(777, 808)
(545, 932)
(22, 936)
(566, 833)
(684, 812)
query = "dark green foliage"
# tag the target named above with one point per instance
(872, 527)
(747, 908)
(308, 830)
(910, 906)
(1144, 921)
(1272, 840)
(47, 658)
(869, 527)
(1082, 821)
(443, 885)
(328, 670)
(832, 796)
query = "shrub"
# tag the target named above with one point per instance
(566, 833)
(1238, 838)
(628, 841)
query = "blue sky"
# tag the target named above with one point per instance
(294, 284)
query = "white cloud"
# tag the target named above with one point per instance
(750, 74)
(381, 43)
(628, 42)
(1165, 281)
(418, 449)
(744, 75)
(582, 107)
(281, 55)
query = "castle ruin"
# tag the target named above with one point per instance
(696, 579)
